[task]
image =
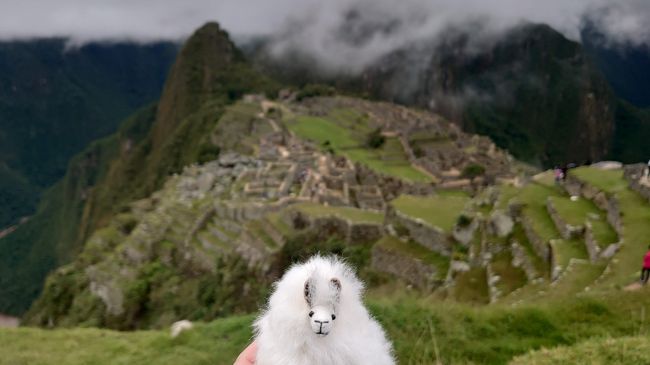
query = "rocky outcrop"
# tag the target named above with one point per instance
(637, 177)
(501, 223)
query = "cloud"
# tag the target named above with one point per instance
(339, 33)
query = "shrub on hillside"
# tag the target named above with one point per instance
(473, 170)
(375, 139)
(313, 90)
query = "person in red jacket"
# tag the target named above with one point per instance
(645, 272)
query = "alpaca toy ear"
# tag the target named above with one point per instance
(309, 292)
(336, 284)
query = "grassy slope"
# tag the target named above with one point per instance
(415, 250)
(609, 351)
(577, 213)
(51, 237)
(636, 215)
(352, 214)
(57, 100)
(421, 332)
(441, 210)
(216, 343)
(100, 183)
(336, 130)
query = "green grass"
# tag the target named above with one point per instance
(573, 212)
(534, 197)
(217, 343)
(415, 250)
(635, 217)
(565, 250)
(511, 277)
(542, 266)
(575, 281)
(603, 232)
(605, 180)
(471, 287)
(349, 213)
(506, 193)
(421, 330)
(439, 210)
(607, 351)
(577, 213)
(389, 159)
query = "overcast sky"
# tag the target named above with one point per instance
(315, 25)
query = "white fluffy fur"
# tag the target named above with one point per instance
(284, 331)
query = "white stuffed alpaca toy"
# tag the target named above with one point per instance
(316, 317)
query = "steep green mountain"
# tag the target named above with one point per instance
(55, 100)
(534, 92)
(156, 142)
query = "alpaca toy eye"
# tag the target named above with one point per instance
(311, 314)
(333, 317)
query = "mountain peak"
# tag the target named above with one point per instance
(196, 76)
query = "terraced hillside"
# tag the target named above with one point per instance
(219, 233)
(227, 228)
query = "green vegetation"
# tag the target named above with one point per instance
(609, 181)
(57, 100)
(352, 214)
(579, 212)
(534, 197)
(439, 210)
(375, 139)
(129, 165)
(415, 250)
(333, 131)
(420, 330)
(608, 351)
(635, 213)
(216, 343)
(565, 250)
(511, 277)
(473, 170)
(314, 90)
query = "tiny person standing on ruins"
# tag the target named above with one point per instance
(645, 272)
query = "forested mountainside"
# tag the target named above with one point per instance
(533, 91)
(159, 140)
(56, 99)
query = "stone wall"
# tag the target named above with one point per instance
(332, 226)
(567, 231)
(556, 270)
(635, 176)
(541, 247)
(389, 186)
(429, 236)
(521, 260)
(412, 270)
(593, 249)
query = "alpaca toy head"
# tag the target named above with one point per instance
(322, 295)
(315, 298)
(316, 316)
